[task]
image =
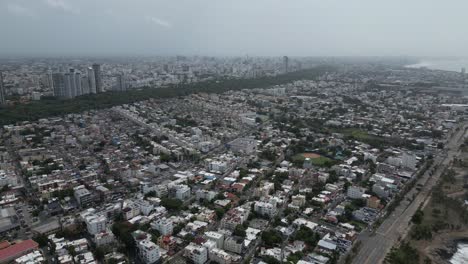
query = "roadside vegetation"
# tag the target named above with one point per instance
(444, 214)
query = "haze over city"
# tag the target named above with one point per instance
(233, 132)
(233, 28)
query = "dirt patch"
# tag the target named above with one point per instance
(311, 155)
(442, 246)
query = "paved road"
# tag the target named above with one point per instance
(375, 246)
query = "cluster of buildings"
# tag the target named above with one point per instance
(65, 78)
(292, 171)
(71, 84)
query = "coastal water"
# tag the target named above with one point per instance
(440, 64)
(461, 256)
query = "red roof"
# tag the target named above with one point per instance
(232, 196)
(4, 244)
(17, 250)
(167, 239)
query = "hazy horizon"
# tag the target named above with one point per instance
(233, 28)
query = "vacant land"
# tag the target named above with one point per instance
(444, 219)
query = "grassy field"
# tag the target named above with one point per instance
(358, 134)
(316, 159)
(320, 161)
(374, 140)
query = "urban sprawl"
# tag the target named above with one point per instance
(317, 170)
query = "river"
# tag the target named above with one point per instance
(442, 64)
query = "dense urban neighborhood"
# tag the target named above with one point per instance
(336, 164)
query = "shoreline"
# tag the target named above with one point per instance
(445, 245)
(454, 65)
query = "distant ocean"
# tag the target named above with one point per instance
(439, 64)
(461, 256)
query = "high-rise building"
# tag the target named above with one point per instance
(121, 83)
(2, 90)
(72, 82)
(78, 90)
(84, 85)
(67, 85)
(286, 64)
(463, 77)
(91, 81)
(59, 81)
(50, 80)
(98, 78)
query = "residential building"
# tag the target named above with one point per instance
(216, 237)
(2, 90)
(197, 254)
(98, 78)
(205, 195)
(145, 206)
(148, 251)
(298, 200)
(243, 145)
(234, 244)
(59, 85)
(104, 238)
(131, 210)
(121, 85)
(82, 196)
(91, 81)
(355, 192)
(234, 217)
(163, 225)
(182, 192)
(34, 257)
(373, 202)
(95, 223)
(220, 256)
(264, 208)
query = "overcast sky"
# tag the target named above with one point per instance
(234, 27)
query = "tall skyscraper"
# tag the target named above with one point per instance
(2, 90)
(78, 89)
(98, 77)
(84, 85)
(69, 84)
(463, 77)
(50, 80)
(91, 81)
(286, 64)
(121, 83)
(59, 84)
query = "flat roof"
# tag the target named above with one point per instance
(16, 250)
